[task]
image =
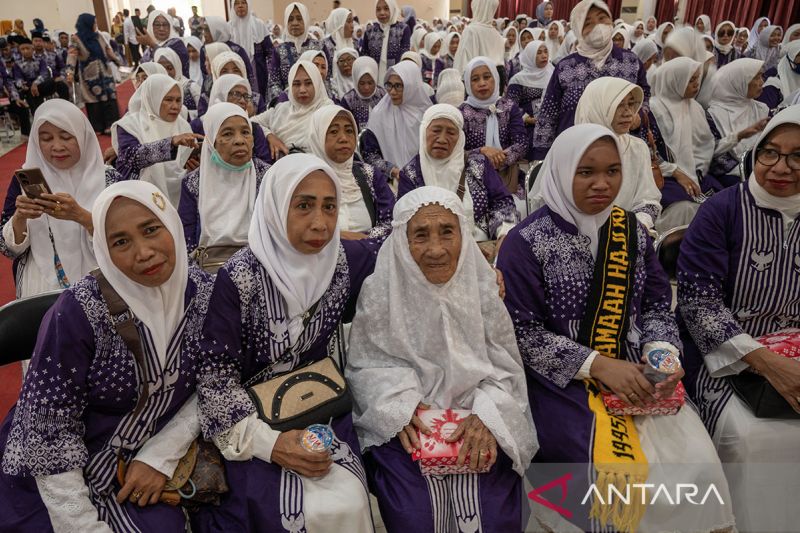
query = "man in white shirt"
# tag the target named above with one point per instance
(129, 31)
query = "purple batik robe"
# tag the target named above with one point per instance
(381, 197)
(283, 57)
(492, 204)
(430, 71)
(398, 44)
(134, 156)
(82, 384)
(528, 99)
(246, 332)
(570, 78)
(737, 273)
(179, 47)
(512, 129)
(189, 207)
(359, 107)
(724, 59)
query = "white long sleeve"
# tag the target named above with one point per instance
(163, 450)
(726, 359)
(250, 437)
(66, 498)
(11, 243)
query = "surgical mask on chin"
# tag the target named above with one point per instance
(217, 160)
(599, 36)
(794, 66)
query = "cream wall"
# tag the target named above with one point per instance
(56, 14)
(365, 9)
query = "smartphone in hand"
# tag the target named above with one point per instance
(32, 182)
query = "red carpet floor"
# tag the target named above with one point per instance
(11, 375)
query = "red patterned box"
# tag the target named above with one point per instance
(665, 406)
(436, 456)
(785, 342)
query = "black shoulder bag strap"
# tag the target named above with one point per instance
(462, 185)
(366, 193)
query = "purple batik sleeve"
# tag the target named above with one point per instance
(384, 205)
(517, 138)
(554, 357)
(9, 208)
(133, 156)
(548, 118)
(190, 216)
(371, 152)
(501, 203)
(46, 435)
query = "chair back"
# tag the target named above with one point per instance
(668, 248)
(530, 179)
(19, 325)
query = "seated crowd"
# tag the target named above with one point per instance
(307, 242)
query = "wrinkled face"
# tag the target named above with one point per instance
(366, 85)
(313, 213)
(168, 67)
(623, 116)
(542, 57)
(345, 64)
(552, 32)
(382, 12)
(693, 87)
(240, 95)
(782, 179)
(240, 8)
(296, 25)
(725, 34)
(302, 87)
(700, 26)
(441, 137)
(598, 177)
(161, 29)
(481, 82)
(139, 244)
(434, 240)
(322, 66)
(524, 38)
(775, 38)
(171, 105)
(340, 139)
(618, 40)
(594, 17)
(453, 48)
(756, 85)
(231, 68)
(394, 86)
(194, 55)
(59, 147)
(234, 141)
(348, 27)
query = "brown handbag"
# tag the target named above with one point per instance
(211, 258)
(200, 475)
(655, 159)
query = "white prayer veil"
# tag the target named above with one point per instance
(480, 38)
(531, 75)
(445, 173)
(320, 122)
(450, 89)
(151, 18)
(248, 30)
(289, 38)
(787, 80)
(492, 123)
(335, 26)
(219, 29)
(223, 59)
(596, 54)
(361, 66)
(450, 345)
(223, 85)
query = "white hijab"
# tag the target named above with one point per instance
(222, 59)
(512, 52)
(146, 125)
(492, 124)
(787, 80)
(724, 48)
(301, 279)
(788, 207)
(444, 173)
(223, 85)
(195, 72)
(170, 55)
(248, 30)
(706, 24)
(394, 17)
(226, 197)
(645, 49)
(219, 29)
(365, 65)
(682, 120)
(151, 18)
(335, 27)
(762, 50)
(215, 49)
(397, 126)
(83, 182)
(658, 36)
(417, 37)
(730, 107)
(462, 355)
(597, 55)
(788, 33)
(289, 38)
(450, 89)
(343, 83)
(291, 120)
(445, 51)
(553, 44)
(753, 37)
(320, 123)
(429, 42)
(160, 308)
(480, 38)
(531, 75)
(626, 36)
(558, 173)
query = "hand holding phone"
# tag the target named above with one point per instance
(32, 182)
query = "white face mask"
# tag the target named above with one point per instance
(599, 36)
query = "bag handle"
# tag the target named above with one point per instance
(462, 189)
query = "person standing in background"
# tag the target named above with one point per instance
(129, 31)
(196, 24)
(177, 22)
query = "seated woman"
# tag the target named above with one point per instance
(588, 298)
(168, 59)
(613, 103)
(296, 40)
(735, 116)
(161, 34)
(443, 162)
(432, 64)
(320, 60)
(451, 88)
(784, 86)
(211, 51)
(275, 307)
(513, 66)
(228, 63)
(60, 451)
(49, 238)
(392, 137)
(527, 86)
(724, 49)
(450, 47)
(431, 278)
(737, 278)
(287, 124)
(493, 125)
(153, 143)
(217, 199)
(365, 209)
(366, 93)
(386, 41)
(767, 47)
(236, 90)
(343, 81)
(144, 70)
(511, 47)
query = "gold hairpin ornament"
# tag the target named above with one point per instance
(159, 200)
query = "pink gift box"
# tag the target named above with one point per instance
(436, 456)
(785, 342)
(665, 406)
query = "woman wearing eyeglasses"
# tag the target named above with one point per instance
(739, 279)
